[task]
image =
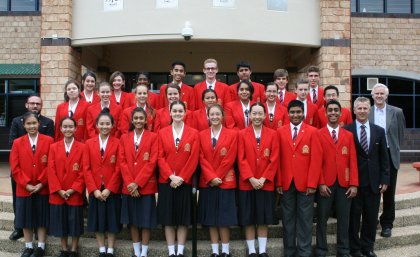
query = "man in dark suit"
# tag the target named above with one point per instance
(391, 119)
(33, 104)
(373, 166)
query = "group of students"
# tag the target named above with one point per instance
(123, 148)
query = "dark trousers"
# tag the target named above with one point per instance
(365, 207)
(342, 205)
(388, 205)
(297, 222)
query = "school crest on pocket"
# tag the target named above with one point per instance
(344, 150)
(113, 159)
(187, 148)
(146, 156)
(230, 176)
(266, 152)
(75, 167)
(305, 149)
(223, 152)
(44, 158)
(80, 122)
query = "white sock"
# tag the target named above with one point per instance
(110, 250)
(41, 245)
(29, 245)
(171, 249)
(251, 246)
(136, 247)
(180, 249)
(102, 249)
(215, 248)
(262, 243)
(144, 249)
(225, 248)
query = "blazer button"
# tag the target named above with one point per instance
(135, 163)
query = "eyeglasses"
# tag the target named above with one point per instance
(210, 68)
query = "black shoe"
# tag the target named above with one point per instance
(172, 255)
(109, 255)
(357, 254)
(63, 254)
(225, 255)
(38, 252)
(386, 232)
(180, 255)
(102, 254)
(73, 254)
(27, 252)
(369, 253)
(263, 255)
(252, 255)
(16, 234)
(214, 255)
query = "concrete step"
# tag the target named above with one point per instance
(405, 251)
(409, 236)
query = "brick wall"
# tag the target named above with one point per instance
(19, 39)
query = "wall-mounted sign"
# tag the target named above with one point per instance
(277, 5)
(113, 5)
(224, 3)
(166, 3)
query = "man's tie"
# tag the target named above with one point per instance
(314, 98)
(258, 142)
(210, 87)
(136, 147)
(102, 152)
(363, 139)
(177, 143)
(334, 136)
(213, 142)
(246, 118)
(71, 114)
(281, 96)
(33, 148)
(294, 134)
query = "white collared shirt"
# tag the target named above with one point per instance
(176, 135)
(305, 107)
(68, 147)
(213, 85)
(284, 94)
(102, 145)
(73, 108)
(292, 128)
(102, 106)
(137, 140)
(311, 92)
(88, 99)
(367, 129)
(380, 119)
(330, 129)
(33, 142)
(215, 135)
(244, 108)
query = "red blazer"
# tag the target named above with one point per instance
(98, 170)
(93, 112)
(234, 115)
(311, 114)
(222, 91)
(258, 96)
(28, 167)
(163, 119)
(187, 96)
(66, 173)
(95, 98)
(125, 119)
(218, 162)
(320, 94)
(287, 98)
(125, 100)
(79, 116)
(258, 162)
(181, 162)
(344, 119)
(300, 161)
(139, 167)
(280, 118)
(200, 121)
(338, 160)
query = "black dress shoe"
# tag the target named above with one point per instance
(180, 255)
(109, 255)
(63, 254)
(225, 255)
(369, 253)
(27, 252)
(386, 232)
(16, 234)
(263, 255)
(252, 255)
(357, 254)
(38, 252)
(214, 255)
(102, 254)
(73, 254)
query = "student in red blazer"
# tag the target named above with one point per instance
(163, 117)
(277, 114)
(210, 70)
(94, 110)
(89, 83)
(243, 70)
(179, 148)
(67, 187)
(73, 107)
(338, 181)
(297, 180)
(200, 119)
(281, 79)
(237, 112)
(142, 95)
(217, 204)
(137, 158)
(143, 78)
(187, 93)
(28, 162)
(331, 93)
(103, 183)
(316, 92)
(258, 161)
(311, 110)
(119, 97)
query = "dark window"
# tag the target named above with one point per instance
(3, 5)
(406, 103)
(416, 6)
(20, 5)
(371, 6)
(398, 6)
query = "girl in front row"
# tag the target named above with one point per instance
(137, 158)
(258, 161)
(103, 182)
(66, 184)
(178, 157)
(28, 161)
(217, 205)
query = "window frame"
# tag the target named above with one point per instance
(9, 11)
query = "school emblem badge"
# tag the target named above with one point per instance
(223, 152)
(230, 176)
(266, 152)
(76, 166)
(146, 156)
(80, 122)
(187, 148)
(305, 149)
(113, 159)
(344, 150)
(44, 159)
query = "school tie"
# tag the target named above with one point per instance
(246, 118)
(363, 139)
(136, 147)
(294, 134)
(314, 98)
(334, 136)
(211, 87)
(271, 116)
(177, 143)
(281, 96)
(33, 148)
(213, 142)
(258, 141)
(67, 153)
(71, 114)
(102, 152)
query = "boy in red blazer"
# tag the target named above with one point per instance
(310, 109)
(338, 181)
(297, 180)
(281, 78)
(316, 92)
(331, 93)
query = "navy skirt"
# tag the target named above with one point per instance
(174, 205)
(256, 207)
(66, 220)
(139, 211)
(32, 211)
(104, 216)
(217, 207)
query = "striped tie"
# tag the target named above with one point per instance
(334, 136)
(294, 134)
(314, 98)
(363, 139)
(281, 96)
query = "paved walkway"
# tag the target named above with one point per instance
(408, 179)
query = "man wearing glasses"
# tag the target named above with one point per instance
(33, 104)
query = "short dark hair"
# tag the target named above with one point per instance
(208, 90)
(331, 87)
(280, 73)
(332, 101)
(243, 64)
(250, 87)
(295, 103)
(178, 63)
(114, 75)
(271, 84)
(145, 73)
(312, 68)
